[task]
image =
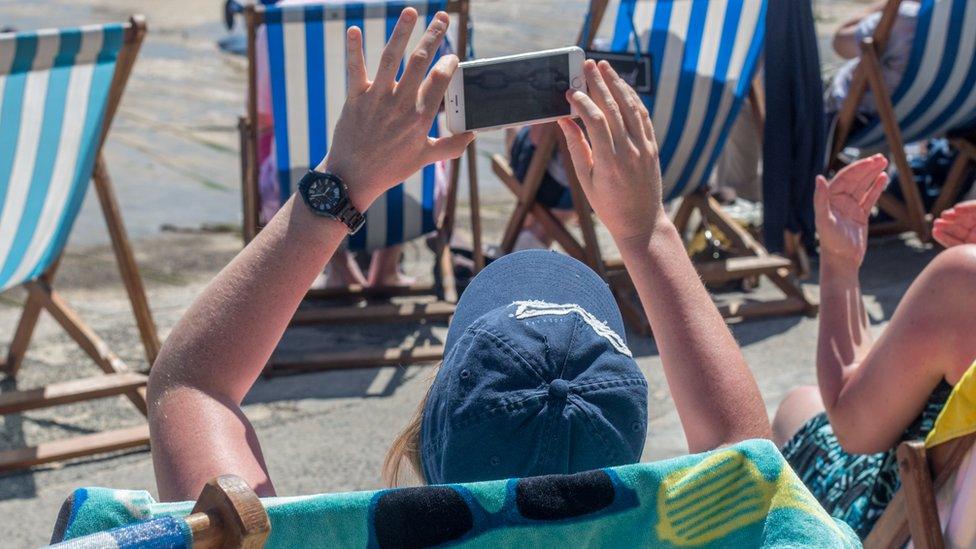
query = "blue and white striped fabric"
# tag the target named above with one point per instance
(54, 87)
(937, 93)
(157, 533)
(705, 54)
(306, 55)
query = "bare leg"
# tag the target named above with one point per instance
(341, 272)
(384, 268)
(799, 406)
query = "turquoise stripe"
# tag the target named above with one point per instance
(102, 75)
(11, 108)
(47, 151)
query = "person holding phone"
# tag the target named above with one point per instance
(584, 391)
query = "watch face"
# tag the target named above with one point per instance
(324, 195)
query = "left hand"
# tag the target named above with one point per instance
(843, 206)
(957, 225)
(381, 136)
(618, 169)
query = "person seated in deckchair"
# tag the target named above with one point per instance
(894, 59)
(537, 376)
(841, 437)
(343, 270)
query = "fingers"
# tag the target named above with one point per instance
(447, 148)
(857, 177)
(357, 81)
(433, 88)
(874, 192)
(579, 150)
(946, 240)
(594, 120)
(420, 59)
(393, 52)
(601, 96)
(630, 105)
(952, 229)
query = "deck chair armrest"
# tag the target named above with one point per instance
(916, 480)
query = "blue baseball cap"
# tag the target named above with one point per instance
(537, 377)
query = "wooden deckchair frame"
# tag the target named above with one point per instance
(41, 295)
(912, 513)
(909, 214)
(444, 289)
(754, 260)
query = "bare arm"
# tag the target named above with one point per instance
(845, 38)
(873, 390)
(717, 398)
(218, 349)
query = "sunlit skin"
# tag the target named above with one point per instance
(957, 225)
(872, 390)
(219, 348)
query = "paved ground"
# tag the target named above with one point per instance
(173, 153)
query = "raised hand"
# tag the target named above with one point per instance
(957, 225)
(843, 206)
(381, 136)
(618, 169)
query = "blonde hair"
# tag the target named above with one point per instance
(406, 446)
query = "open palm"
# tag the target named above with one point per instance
(956, 225)
(844, 204)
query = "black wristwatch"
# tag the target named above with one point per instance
(326, 195)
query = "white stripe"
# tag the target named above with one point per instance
(667, 87)
(951, 87)
(374, 38)
(413, 200)
(643, 21)
(701, 90)
(62, 176)
(744, 37)
(296, 91)
(48, 41)
(35, 90)
(966, 112)
(932, 61)
(335, 70)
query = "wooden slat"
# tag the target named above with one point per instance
(386, 312)
(66, 392)
(746, 309)
(357, 291)
(86, 445)
(552, 225)
(358, 358)
(916, 482)
(892, 530)
(736, 268)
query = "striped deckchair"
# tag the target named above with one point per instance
(59, 90)
(704, 55)
(936, 97)
(306, 57)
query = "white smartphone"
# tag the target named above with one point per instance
(489, 94)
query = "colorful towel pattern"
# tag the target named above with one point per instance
(742, 496)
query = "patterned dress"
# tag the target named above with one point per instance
(855, 488)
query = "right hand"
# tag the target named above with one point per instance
(381, 136)
(957, 225)
(618, 169)
(843, 206)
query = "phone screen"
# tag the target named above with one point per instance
(509, 92)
